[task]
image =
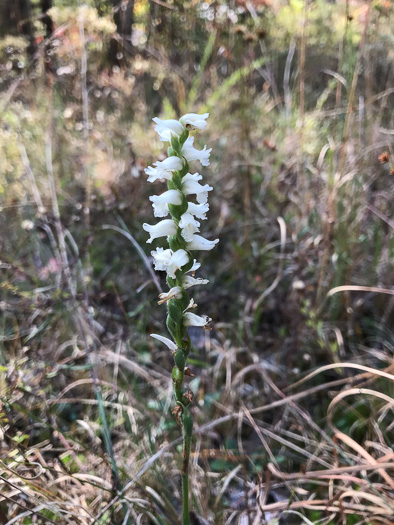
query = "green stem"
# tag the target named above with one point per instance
(185, 479)
(176, 308)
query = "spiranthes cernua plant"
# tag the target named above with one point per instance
(185, 201)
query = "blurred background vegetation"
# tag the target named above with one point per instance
(300, 96)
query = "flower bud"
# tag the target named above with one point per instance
(194, 121)
(190, 319)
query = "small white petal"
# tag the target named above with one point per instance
(161, 258)
(194, 121)
(191, 153)
(179, 259)
(174, 293)
(189, 226)
(160, 202)
(190, 319)
(169, 261)
(202, 197)
(199, 243)
(164, 169)
(161, 229)
(196, 266)
(192, 176)
(198, 210)
(189, 281)
(171, 345)
(190, 186)
(168, 128)
(154, 174)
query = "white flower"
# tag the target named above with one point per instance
(191, 153)
(169, 261)
(189, 226)
(174, 293)
(190, 186)
(161, 202)
(171, 345)
(190, 319)
(189, 281)
(161, 229)
(194, 121)
(199, 243)
(163, 169)
(199, 210)
(168, 128)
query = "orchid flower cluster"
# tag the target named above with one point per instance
(182, 233)
(183, 227)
